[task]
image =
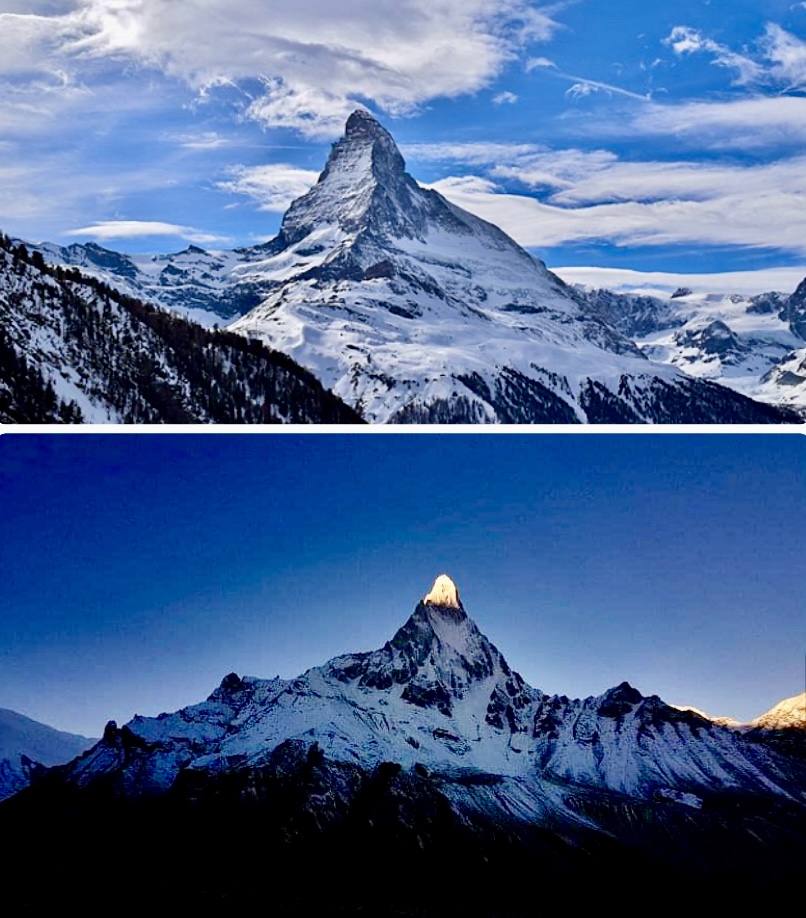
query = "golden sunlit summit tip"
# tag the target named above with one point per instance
(443, 593)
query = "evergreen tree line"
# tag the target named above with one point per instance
(146, 364)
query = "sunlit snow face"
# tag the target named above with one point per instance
(443, 593)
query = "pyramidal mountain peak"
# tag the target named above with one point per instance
(364, 188)
(413, 310)
(441, 694)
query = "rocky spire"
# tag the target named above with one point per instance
(363, 187)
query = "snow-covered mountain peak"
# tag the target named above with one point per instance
(789, 713)
(413, 310)
(362, 128)
(444, 592)
(363, 187)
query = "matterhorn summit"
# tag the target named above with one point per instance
(413, 310)
(364, 187)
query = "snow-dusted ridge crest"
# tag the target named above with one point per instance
(440, 696)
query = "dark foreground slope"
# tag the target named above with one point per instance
(308, 835)
(74, 350)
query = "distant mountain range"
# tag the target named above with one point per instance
(428, 764)
(412, 310)
(26, 745)
(755, 345)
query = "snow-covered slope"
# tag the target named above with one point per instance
(414, 310)
(73, 349)
(25, 743)
(196, 283)
(787, 714)
(755, 345)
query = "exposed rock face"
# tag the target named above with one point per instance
(714, 338)
(794, 312)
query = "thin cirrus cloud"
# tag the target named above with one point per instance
(743, 283)
(727, 221)
(755, 123)
(780, 60)
(580, 196)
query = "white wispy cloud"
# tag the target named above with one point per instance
(505, 98)
(593, 196)
(472, 153)
(315, 60)
(203, 140)
(131, 229)
(534, 62)
(780, 60)
(787, 56)
(273, 186)
(745, 283)
(583, 87)
(779, 222)
(685, 40)
(753, 123)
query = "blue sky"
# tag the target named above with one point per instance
(138, 570)
(659, 137)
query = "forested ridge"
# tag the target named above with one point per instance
(73, 350)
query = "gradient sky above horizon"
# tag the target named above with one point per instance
(656, 137)
(138, 570)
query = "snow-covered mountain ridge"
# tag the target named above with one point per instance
(439, 695)
(755, 345)
(413, 310)
(424, 759)
(787, 714)
(73, 349)
(26, 744)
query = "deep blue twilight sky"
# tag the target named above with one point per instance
(137, 570)
(662, 137)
